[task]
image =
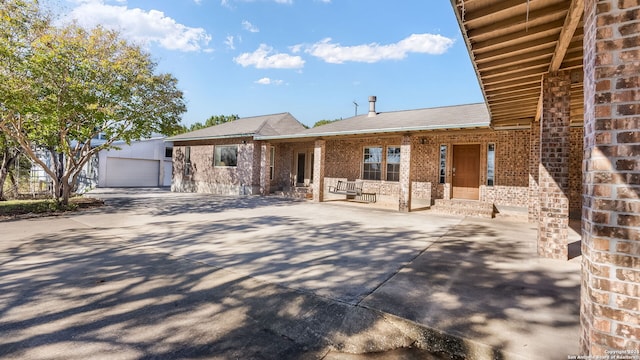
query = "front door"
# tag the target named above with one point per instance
(466, 172)
(301, 167)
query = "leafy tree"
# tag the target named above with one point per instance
(324, 122)
(212, 121)
(62, 86)
(9, 154)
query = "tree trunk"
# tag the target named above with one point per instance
(9, 159)
(3, 176)
(66, 193)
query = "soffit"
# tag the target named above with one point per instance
(513, 43)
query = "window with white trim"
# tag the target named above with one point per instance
(491, 164)
(442, 173)
(372, 163)
(393, 163)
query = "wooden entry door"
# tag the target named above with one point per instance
(300, 170)
(466, 172)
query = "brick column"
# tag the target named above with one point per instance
(534, 172)
(610, 298)
(404, 203)
(265, 181)
(553, 222)
(319, 153)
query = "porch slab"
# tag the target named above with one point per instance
(333, 279)
(483, 284)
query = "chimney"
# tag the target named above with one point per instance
(372, 106)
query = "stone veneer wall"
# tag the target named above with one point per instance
(243, 179)
(610, 297)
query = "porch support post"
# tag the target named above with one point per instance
(534, 172)
(319, 153)
(265, 181)
(553, 222)
(404, 203)
(610, 310)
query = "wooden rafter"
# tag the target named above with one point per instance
(566, 34)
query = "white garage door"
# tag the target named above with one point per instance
(132, 172)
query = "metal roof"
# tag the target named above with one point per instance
(513, 43)
(446, 117)
(265, 125)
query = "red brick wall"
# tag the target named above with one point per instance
(511, 162)
(553, 181)
(610, 298)
(575, 172)
(285, 162)
(534, 172)
(344, 161)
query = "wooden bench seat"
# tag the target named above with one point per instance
(353, 191)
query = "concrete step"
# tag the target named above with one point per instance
(296, 193)
(512, 213)
(464, 207)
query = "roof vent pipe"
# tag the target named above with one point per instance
(372, 106)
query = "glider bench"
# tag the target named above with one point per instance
(353, 191)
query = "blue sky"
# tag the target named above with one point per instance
(312, 58)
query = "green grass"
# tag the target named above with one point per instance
(21, 207)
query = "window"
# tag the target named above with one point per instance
(393, 163)
(187, 160)
(491, 164)
(443, 164)
(168, 152)
(372, 163)
(272, 160)
(225, 155)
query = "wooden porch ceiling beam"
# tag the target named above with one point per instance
(473, 16)
(518, 21)
(510, 82)
(515, 60)
(521, 36)
(514, 73)
(547, 42)
(571, 23)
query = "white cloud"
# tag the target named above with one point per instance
(296, 48)
(250, 27)
(229, 41)
(265, 58)
(138, 25)
(374, 52)
(268, 81)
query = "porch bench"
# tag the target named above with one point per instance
(354, 189)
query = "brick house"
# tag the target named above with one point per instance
(408, 159)
(417, 158)
(226, 159)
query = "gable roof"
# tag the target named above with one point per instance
(446, 117)
(265, 125)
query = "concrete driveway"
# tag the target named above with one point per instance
(156, 274)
